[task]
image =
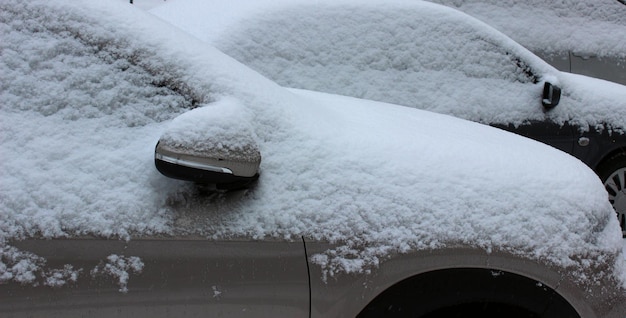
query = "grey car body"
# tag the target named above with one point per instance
(192, 277)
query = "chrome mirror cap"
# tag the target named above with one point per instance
(223, 171)
(214, 144)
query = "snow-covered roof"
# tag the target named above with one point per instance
(404, 52)
(88, 87)
(587, 27)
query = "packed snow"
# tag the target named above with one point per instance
(88, 87)
(404, 52)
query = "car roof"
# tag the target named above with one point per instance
(579, 26)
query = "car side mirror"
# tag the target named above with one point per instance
(551, 95)
(212, 145)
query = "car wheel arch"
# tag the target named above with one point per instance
(349, 295)
(479, 291)
(610, 167)
(607, 157)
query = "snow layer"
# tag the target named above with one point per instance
(373, 178)
(587, 27)
(221, 130)
(403, 52)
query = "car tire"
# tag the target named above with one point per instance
(612, 172)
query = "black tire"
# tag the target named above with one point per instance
(612, 172)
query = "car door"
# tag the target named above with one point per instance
(178, 277)
(548, 132)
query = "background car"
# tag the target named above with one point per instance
(585, 37)
(356, 201)
(425, 56)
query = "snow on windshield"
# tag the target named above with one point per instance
(89, 87)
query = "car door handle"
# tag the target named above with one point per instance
(584, 56)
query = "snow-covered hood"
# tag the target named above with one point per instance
(380, 178)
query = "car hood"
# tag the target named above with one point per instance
(377, 178)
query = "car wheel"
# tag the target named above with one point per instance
(613, 174)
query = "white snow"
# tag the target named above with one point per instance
(18, 265)
(28, 268)
(204, 130)
(89, 87)
(60, 277)
(119, 266)
(587, 27)
(404, 52)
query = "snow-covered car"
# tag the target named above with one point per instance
(426, 56)
(585, 37)
(360, 208)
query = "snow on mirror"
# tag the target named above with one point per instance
(211, 145)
